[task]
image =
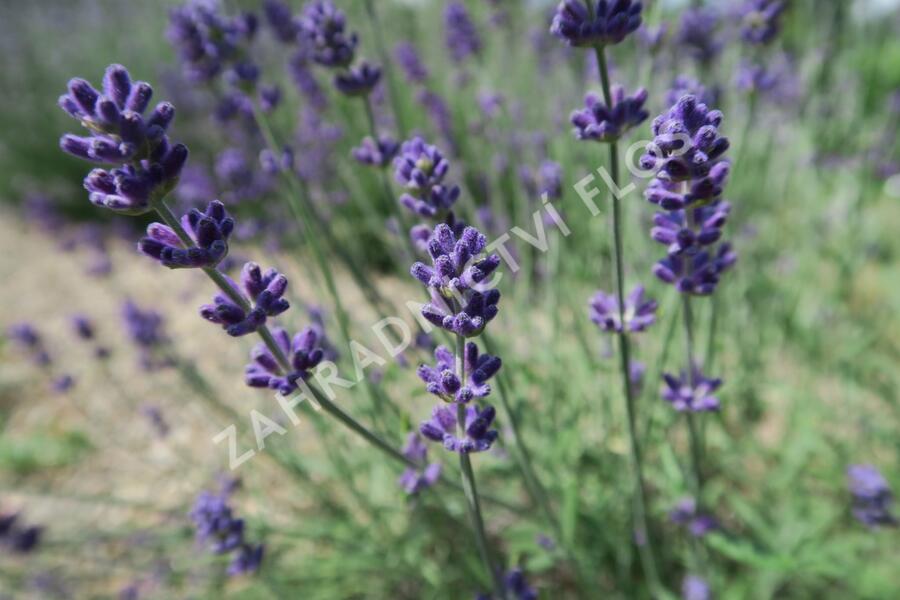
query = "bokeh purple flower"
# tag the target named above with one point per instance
(415, 480)
(872, 498)
(639, 313)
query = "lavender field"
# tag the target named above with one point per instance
(447, 299)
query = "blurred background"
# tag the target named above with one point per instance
(112, 387)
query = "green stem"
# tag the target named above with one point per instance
(468, 480)
(696, 450)
(645, 545)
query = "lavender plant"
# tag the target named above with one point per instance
(598, 26)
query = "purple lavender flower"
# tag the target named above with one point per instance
(456, 303)
(604, 124)
(445, 384)
(460, 34)
(305, 81)
(421, 168)
(208, 43)
(215, 523)
(413, 480)
(477, 434)
(284, 24)
(359, 80)
(549, 179)
(872, 498)
(653, 38)
(515, 585)
(247, 560)
(672, 230)
(121, 135)
(698, 34)
(376, 154)
(217, 527)
(687, 156)
(208, 230)
(303, 353)
(685, 85)
(695, 588)
(83, 327)
(63, 383)
(698, 524)
(157, 420)
(322, 28)
(265, 291)
(640, 313)
(28, 338)
(760, 20)
(410, 62)
(691, 392)
(269, 97)
(145, 328)
(602, 23)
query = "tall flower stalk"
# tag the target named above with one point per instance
(598, 25)
(147, 169)
(462, 304)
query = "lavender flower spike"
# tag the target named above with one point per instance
(692, 392)
(303, 352)
(208, 230)
(359, 80)
(604, 124)
(478, 434)
(640, 313)
(412, 480)
(872, 497)
(444, 383)
(265, 290)
(462, 37)
(376, 154)
(603, 23)
(120, 134)
(695, 588)
(223, 532)
(457, 304)
(408, 58)
(760, 20)
(322, 27)
(421, 168)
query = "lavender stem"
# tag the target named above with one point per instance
(468, 480)
(645, 545)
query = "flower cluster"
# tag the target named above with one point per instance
(687, 157)
(600, 23)
(692, 392)
(281, 20)
(265, 291)
(149, 164)
(84, 329)
(694, 587)
(322, 28)
(872, 497)
(303, 353)
(443, 382)
(461, 35)
(420, 168)
(639, 313)
(217, 526)
(359, 80)
(475, 434)
(18, 537)
(415, 480)
(601, 123)
(208, 43)
(410, 62)
(28, 338)
(516, 586)
(686, 514)
(760, 20)
(376, 153)
(456, 303)
(209, 232)
(145, 328)
(698, 34)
